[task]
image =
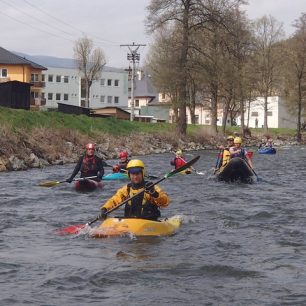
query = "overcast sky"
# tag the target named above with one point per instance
(50, 27)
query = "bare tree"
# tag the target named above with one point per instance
(268, 33)
(90, 63)
(296, 70)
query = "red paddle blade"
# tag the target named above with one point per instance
(70, 230)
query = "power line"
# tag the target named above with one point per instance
(35, 28)
(35, 18)
(134, 58)
(70, 25)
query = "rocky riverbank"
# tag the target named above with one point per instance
(44, 147)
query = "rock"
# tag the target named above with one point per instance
(17, 164)
(33, 161)
(2, 165)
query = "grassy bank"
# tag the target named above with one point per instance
(27, 120)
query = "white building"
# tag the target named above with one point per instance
(63, 85)
(278, 114)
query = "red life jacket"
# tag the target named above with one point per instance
(89, 166)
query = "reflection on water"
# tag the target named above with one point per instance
(238, 244)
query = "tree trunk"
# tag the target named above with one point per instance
(266, 114)
(299, 134)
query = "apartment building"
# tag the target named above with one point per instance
(64, 85)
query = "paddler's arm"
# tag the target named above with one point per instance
(159, 197)
(115, 200)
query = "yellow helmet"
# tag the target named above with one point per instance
(135, 166)
(230, 137)
(237, 140)
(179, 152)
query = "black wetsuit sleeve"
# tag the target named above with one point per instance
(100, 164)
(77, 168)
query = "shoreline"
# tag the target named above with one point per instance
(47, 148)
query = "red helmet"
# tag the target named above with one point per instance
(124, 154)
(90, 146)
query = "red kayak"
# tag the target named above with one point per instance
(87, 185)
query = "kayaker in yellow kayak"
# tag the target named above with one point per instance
(147, 204)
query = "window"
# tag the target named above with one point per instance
(65, 97)
(116, 99)
(109, 99)
(58, 97)
(137, 103)
(109, 82)
(116, 83)
(58, 78)
(42, 77)
(34, 77)
(254, 114)
(50, 96)
(269, 114)
(163, 96)
(50, 78)
(3, 73)
(34, 94)
(66, 79)
(102, 99)
(196, 119)
(102, 82)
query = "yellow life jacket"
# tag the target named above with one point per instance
(225, 158)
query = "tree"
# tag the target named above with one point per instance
(186, 18)
(268, 34)
(90, 63)
(296, 71)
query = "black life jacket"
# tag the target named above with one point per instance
(89, 166)
(139, 207)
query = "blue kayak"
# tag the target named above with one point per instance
(115, 176)
(267, 150)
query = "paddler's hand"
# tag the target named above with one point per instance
(103, 214)
(69, 180)
(149, 188)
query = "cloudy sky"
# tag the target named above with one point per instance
(50, 27)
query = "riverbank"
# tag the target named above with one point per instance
(39, 139)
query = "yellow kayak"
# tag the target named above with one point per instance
(138, 227)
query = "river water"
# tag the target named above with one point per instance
(238, 245)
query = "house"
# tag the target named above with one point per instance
(16, 68)
(64, 84)
(278, 114)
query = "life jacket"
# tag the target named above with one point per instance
(120, 166)
(139, 206)
(240, 154)
(89, 166)
(177, 162)
(225, 157)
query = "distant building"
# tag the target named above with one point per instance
(278, 113)
(64, 85)
(16, 68)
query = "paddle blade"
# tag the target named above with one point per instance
(184, 167)
(49, 184)
(70, 230)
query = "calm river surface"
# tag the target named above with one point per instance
(238, 245)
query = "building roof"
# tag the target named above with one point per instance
(58, 62)
(144, 87)
(9, 58)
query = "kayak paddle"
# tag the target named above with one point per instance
(54, 183)
(259, 179)
(74, 229)
(197, 172)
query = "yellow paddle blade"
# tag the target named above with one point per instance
(49, 184)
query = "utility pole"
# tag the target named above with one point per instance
(134, 58)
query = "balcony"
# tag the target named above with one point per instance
(38, 101)
(3, 80)
(38, 84)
